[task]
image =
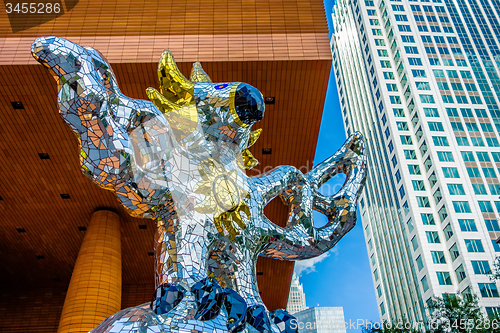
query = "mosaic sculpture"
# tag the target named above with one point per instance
(181, 159)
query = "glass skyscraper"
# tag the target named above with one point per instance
(421, 81)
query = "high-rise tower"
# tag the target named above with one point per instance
(420, 79)
(296, 297)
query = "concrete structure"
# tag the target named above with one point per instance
(296, 297)
(420, 80)
(46, 203)
(321, 320)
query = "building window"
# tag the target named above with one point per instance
(461, 207)
(414, 243)
(382, 308)
(427, 219)
(398, 112)
(477, 141)
(385, 63)
(467, 225)
(425, 285)
(404, 28)
(418, 185)
(395, 99)
(467, 156)
(433, 179)
(427, 99)
(418, 73)
(444, 278)
(416, 62)
(492, 225)
(450, 172)
(410, 154)
(423, 202)
(431, 112)
(485, 206)
(481, 267)
(496, 246)
(432, 237)
(445, 156)
(494, 189)
(402, 191)
(406, 139)
(489, 173)
(402, 126)
(473, 172)
(493, 312)
(462, 141)
(492, 142)
(420, 264)
(414, 169)
(488, 290)
(435, 126)
(389, 75)
(452, 112)
(456, 189)
(454, 252)
(482, 156)
(461, 275)
(438, 257)
(486, 127)
(440, 141)
(474, 245)
(407, 39)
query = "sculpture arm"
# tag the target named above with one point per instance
(300, 239)
(103, 119)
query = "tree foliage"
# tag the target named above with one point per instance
(449, 314)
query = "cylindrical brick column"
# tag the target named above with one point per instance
(95, 290)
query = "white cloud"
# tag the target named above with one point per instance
(308, 266)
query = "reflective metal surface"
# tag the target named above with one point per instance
(181, 159)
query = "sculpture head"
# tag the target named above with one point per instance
(227, 111)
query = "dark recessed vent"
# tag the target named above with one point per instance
(44, 156)
(266, 151)
(64, 195)
(142, 226)
(260, 273)
(269, 100)
(1, 198)
(151, 254)
(20, 230)
(40, 257)
(17, 105)
(82, 228)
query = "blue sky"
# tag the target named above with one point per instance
(342, 278)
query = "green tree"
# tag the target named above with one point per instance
(455, 313)
(449, 314)
(495, 272)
